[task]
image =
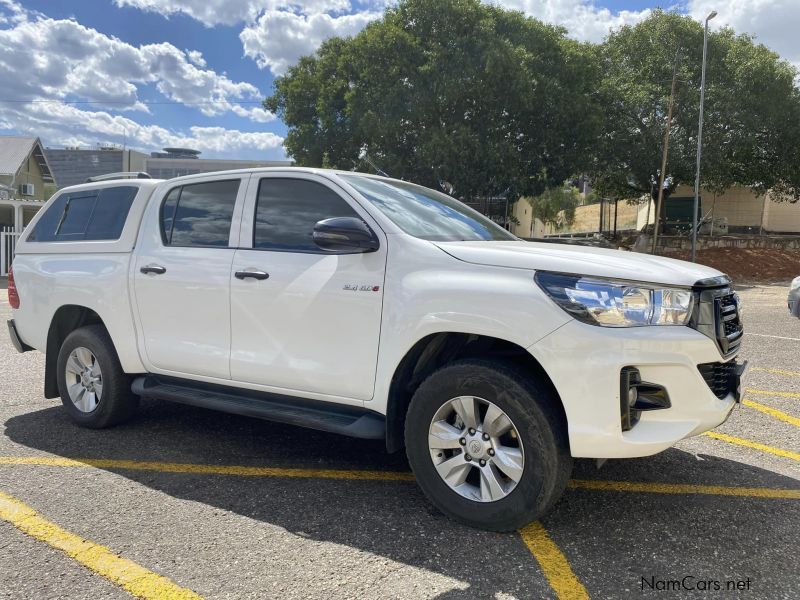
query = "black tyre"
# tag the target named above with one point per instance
(488, 444)
(94, 389)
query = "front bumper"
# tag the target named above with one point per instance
(794, 303)
(584, 363)
(16, 341)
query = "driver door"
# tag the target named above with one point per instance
(309, 321)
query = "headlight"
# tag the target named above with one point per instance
(617, 303)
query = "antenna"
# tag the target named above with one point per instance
(362, 155)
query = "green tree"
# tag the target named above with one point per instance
(556, 205)
(751, 134)
(453, 93)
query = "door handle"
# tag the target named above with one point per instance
(251, 275)
(154, 269)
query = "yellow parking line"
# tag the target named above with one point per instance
(768, 410)
(754, 445)
(132, 577)
(773, 393)
(358, 475)
(554, 564)
(679, 488)
(241, 471)
(777, 371)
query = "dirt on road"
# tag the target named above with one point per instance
(750, 265)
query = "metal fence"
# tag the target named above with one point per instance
(8, 243)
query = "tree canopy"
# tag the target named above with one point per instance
(556, 205)
(486, 102)
(453, 92)
(751, 133)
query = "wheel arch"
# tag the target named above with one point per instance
(438, 349)
(66, 319)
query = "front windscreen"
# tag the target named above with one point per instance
(426, 213)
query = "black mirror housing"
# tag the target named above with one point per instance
(345, 234)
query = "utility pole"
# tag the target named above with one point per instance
(711, 15)
(666, 151)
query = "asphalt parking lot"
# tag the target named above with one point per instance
(184, 503)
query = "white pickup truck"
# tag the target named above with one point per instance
(374, 308)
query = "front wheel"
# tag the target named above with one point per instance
(487, 444)
(94, 389)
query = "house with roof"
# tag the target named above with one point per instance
(26, 180)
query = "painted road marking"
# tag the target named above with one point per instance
(554, 564)
(768, 410)
(777, 337)
(754, 445)
(241, 471)
(777, 371)
(772, 393)
(132, 577)
(680, 488)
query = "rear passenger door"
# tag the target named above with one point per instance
(182, 276)
(309, 320)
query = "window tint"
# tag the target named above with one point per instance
(168, 213)
(288, 209)
(45, 229)
(76, 216)
(203, 214)
(89, 215)
(110, 213)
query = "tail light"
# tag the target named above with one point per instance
(13, 295)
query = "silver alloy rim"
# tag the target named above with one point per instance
(476, 449)
(84, 379)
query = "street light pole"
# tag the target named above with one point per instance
(711, 15)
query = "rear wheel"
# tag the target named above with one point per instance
(487, 444)
(94, 389)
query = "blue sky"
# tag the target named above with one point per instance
(210, 62)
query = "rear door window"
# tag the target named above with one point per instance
(199, 214)
(85, 216)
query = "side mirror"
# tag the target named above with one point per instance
(343, 234)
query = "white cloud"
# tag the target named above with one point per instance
(231, 12)
(196, 57)
(278, 38)
(773, 22)
(50, 60)
(583, 19)
(74, 126)
(62, 58)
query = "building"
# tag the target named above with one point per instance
(72, 166)
(26, 180)
(738, 208)
(736, 211)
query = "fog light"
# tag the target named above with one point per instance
(636, 396)
(633, 396)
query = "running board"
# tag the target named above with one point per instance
(323, 416)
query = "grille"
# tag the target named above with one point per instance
(719, 377)
(717, 315)
(729, 325)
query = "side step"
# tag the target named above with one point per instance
(324, 416)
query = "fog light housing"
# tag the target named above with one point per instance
(637, 396)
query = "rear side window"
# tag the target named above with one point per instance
(85, 216)
(199, 214)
